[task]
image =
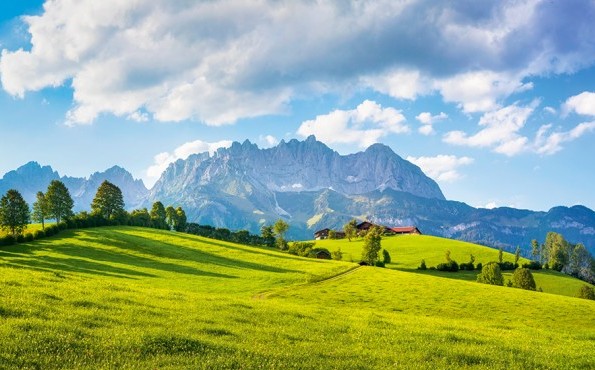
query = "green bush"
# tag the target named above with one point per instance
(422, 265)
(479, 266)
(301, 248)
(491, 274)
(7, 240)
(523, 278)
(28, 237)
(314, 252)
(467, 266)
(507, 266)
(533, 265)
(337, 255)
(385, 257)
(379, 264)
(586, 292)
(38, 234)
(20, 238)
(450, 266)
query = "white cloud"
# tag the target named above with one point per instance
(552, 143)
(550, 110)
(427, 120)
(443, 168)
(268, 141)
(162, 160)
(223, 60)
(363, 126)
(500, 131)
(583, 103)
(491, 205)
(479, 91)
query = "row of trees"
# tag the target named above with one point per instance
(107, 208)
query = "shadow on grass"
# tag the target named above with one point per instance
(87, 259)
(460, 275)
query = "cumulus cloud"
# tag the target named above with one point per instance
(583, 103)
(427, 120)
(550, 143)
(443, 168)
(219, 61)
(268, 141)
(162, 160)
(500, 131)
(363, 126)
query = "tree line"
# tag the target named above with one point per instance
(107, 208)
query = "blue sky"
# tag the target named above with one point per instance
(495, 100)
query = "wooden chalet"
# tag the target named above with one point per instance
(405, 230)
(321, 254)
(324, 233)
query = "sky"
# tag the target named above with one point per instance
(495, 100)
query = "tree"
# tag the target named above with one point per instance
(523, 278)
(59, 201)
(280, 228)
(337, 255)
(535, 250)
(171, 217)
(140, 217)
(108, 201)
(517, 255)
(385, 257)
(268, 235)
(332, 234)
(500, 255)
(580, 262)
(350, 229)
(158, 215)
(40, 210)
(181, 220)
(491, 274)
(558, 250)
(586, 292)
(14, 213)
(372, 246)
(447, 256)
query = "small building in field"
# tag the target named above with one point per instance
(405, 230)
(325, 233)
(322, 254)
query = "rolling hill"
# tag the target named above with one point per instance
(124, 297)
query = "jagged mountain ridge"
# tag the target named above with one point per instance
(32, 177)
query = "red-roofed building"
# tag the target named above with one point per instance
(405, 230)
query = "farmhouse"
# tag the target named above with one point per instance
(324, 233)
(405, 230)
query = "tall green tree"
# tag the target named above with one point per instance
(181, 220)
(40, 209)
(517, 255)
(14, 213)
(171, 217)
(280, 228)
(108, 201)
(350, 229)
(158, 215)
(500, 255)
(268, 235)
(580, 262)
(59, 201)
(140, 217)
(558, 251)
(372, 245)
(535, 250)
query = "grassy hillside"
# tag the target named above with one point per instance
(140, 298)
(407, 251)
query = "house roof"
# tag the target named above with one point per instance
(404, 229)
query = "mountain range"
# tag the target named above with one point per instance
(314, 187)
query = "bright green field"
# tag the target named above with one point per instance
(407, 251)
(139, 298)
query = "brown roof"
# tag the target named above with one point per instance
(404, 229)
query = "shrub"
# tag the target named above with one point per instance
(450, 266)
(314, 252)
(51, 230)
(301, 248)
(379, 264)
(506, 265)
(20, 238)
(422, 266)
(523, 278)
(337, 255)
(467, 266)
(491, 274)
(28, 237)
(533, 265)
(479, 266)
(432, 267)
(7, 240)
(385, 257)
(38, 234)
(586, 292)
(509, 283)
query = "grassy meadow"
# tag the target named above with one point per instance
(407, 251)
(134, 298)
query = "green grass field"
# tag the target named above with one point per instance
(123, 297)
(30, 228)
(407, 251)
